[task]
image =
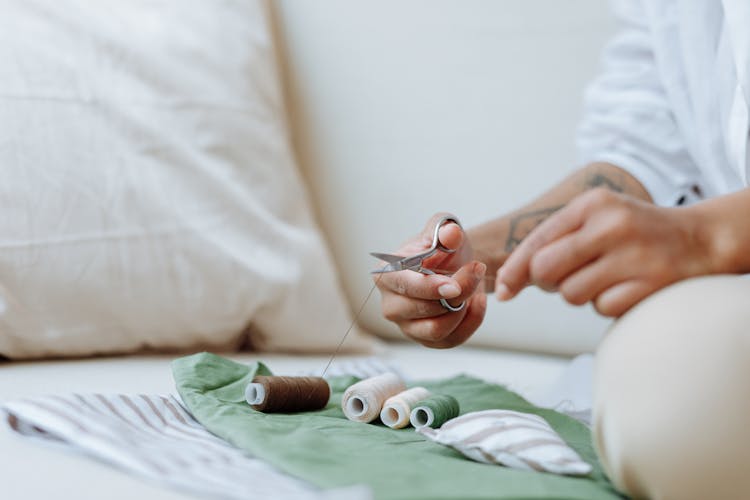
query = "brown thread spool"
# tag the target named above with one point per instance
(271, 394)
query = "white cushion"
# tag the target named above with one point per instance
(149, 197)
(403, 109)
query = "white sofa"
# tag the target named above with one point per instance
(403, 109)
(398, 109)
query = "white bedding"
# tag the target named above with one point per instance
(33, 470)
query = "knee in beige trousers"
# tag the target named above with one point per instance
(672, 393)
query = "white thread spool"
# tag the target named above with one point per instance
(255, 394)
(397, 409)
(363, 401)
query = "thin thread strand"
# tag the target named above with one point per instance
(354, 322)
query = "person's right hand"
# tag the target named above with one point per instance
(412, 300)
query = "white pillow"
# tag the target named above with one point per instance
(149, 197)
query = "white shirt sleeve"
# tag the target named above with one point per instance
(628, 120)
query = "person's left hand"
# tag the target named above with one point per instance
(608, 249)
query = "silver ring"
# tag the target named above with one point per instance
(459, 307)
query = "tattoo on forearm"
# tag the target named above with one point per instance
(525, 222)
(522, 224)
(598, 179)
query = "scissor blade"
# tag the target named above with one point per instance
(388, 268)
(387, 257)
(382, 270)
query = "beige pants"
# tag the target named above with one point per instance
(672, 393)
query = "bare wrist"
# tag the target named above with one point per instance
(714, 240)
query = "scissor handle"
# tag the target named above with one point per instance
(444, 302)
(436, 245)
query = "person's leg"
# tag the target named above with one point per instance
(672, 393)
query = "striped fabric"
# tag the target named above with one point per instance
(154, 437)
(358, 367)
(514, 439)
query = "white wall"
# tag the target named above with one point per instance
(401, 108)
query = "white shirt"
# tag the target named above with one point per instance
(671, 104)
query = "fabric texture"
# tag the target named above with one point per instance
(677, 427)
(150, 198)
(671, 103)
(328, 450)
(153, 437)
(511, 438)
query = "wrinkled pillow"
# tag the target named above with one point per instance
(510, 438)
(149, 196)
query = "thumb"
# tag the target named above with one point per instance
(450, 234)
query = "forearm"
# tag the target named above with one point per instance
(724, 230)
(493, 241)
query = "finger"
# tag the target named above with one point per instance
(469, 278)
(428, 232)
(476, 308)
(586, 283)
(435, 329)
(450, 235)
(419, 286)
(514, 274)
(619, 299)
(561, 258)
(399, 308)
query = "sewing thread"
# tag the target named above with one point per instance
(397, 409)
(271, 394)
(363, 401)
(434, 411)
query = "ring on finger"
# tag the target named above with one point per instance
(451, 308)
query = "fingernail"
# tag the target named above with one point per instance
(480, 268)
(449, 291)
(502, 291)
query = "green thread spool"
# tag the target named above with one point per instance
(434, 411)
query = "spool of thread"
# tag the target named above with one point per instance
(397, 409)
(363, 401)
(287, 394)
(434, 411)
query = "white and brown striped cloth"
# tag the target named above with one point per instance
(511, 438)
(154, 437)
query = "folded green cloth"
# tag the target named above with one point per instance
(326, 449)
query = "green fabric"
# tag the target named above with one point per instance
(326, 449)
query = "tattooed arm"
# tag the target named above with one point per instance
(411, 300)
(494, 241)
(595, 237)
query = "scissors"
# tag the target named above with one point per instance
(414, 262)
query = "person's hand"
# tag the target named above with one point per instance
(608, 249)
(412, 300)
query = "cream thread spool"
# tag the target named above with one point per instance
(363, 401)
(397, 409)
